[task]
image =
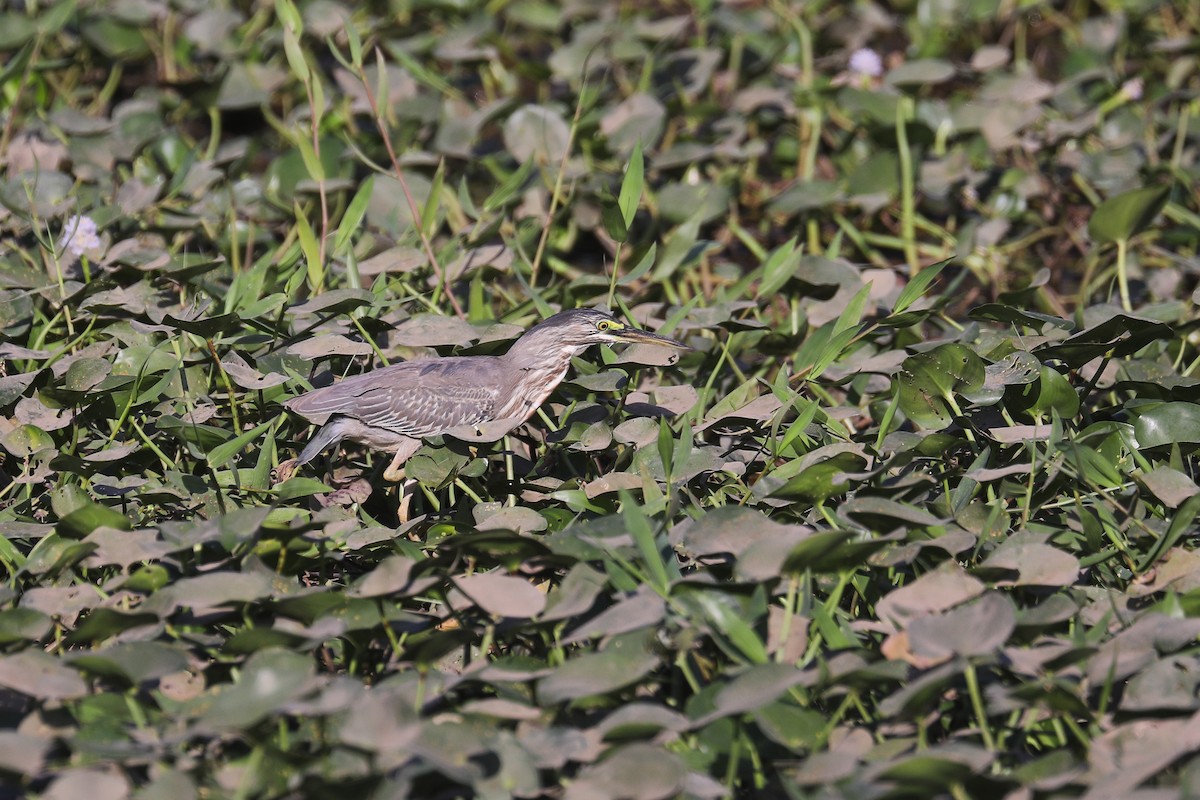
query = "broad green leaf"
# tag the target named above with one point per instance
(929, 381)
(1167, 423)
(1123, 216)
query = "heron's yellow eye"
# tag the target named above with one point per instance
(604, 325)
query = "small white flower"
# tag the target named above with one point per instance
(1132, 89)
(79, 236)
(866, 61)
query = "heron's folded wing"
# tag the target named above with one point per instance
(414, 399)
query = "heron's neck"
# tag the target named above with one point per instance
(535, 369)
(543, 354)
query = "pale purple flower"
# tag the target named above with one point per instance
(1132, 89)
(867, 62)
(79, 236)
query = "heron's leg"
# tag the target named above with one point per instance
(330, 433)
(406, 493)
(395, 470)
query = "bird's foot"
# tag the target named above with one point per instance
(356, 492)
(285, 470)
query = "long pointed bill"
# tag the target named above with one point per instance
(639, 336)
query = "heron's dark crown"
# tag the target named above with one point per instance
(574, 317)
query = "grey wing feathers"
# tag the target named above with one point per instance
(414, 398)
(424, 410)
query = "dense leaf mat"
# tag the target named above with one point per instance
(916, 516)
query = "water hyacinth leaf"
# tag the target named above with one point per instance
(576, 594)
(822, 480)
(1168, 684)
(789, 725)
(1015, 369)
(1117, 336)
(1182, 522)
(270, 678)
(23, 625)
(211, 591)
(760, 685)
(1169, 485)
(133, 662)
(22, 754)
(642, 610)
(921, 72)
(976, 628)
(27, 440)
(502, 595)
(90, 516)
(381, 722)
(829, 551)
(1167, 423)
(934, 591)
(642, 771)
(38, 675)
(103, 623)
(1123, 216)
(1034, 564)
(941, 768)
(537, 134)
(1052, 394)
(595, 674)
(929, 382)
(86, 373)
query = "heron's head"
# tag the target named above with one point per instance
(576, 330)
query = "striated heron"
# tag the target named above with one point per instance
(471, 397)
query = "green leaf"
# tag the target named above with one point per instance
(312, 162)
(1127, 214)
(289, 15)
(507, 190)
(221, 454)
(643, 536)
(822, 480)
(929, 381)
(315, 270)
(352, 219)
(631, 186)
(918, 284)
(779, 267)
(295, 56)
(642, 268)
(614, 222)
(429, 213)
(1053, 393)
(1167, 423)
(418, 71)
(82, 521)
